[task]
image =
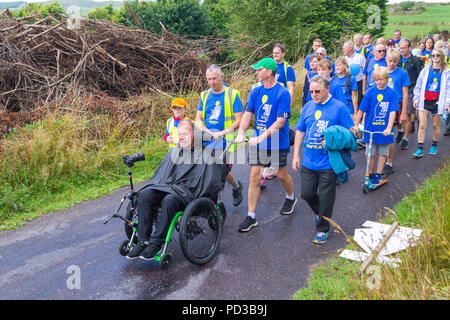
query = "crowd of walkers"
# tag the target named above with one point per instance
(386, 86)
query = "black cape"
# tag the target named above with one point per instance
(190, 174)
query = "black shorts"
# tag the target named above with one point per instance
(431, 106)
(267, 158)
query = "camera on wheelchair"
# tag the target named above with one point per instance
(130, 160)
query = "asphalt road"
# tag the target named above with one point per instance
(41, 259)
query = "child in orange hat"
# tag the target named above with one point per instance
(178, 107)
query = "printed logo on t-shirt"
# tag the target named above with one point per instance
(215, 114)
(380, 111)
(391, 83)
(433, 86)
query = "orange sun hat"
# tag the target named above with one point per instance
(180, 102)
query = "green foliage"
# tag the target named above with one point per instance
(219, 17)
(297, 22)
(407, 5)
(43, 9)
(106, 13)
(183, 17)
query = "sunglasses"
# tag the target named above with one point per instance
(435, 55)
(177, 107)
(315, 91)
(381, 50)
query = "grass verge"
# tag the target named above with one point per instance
(425, 269)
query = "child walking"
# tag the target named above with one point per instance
(380, 104)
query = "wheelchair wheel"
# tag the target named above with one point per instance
(131, 210)
(200, 231)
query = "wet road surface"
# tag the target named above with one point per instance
(272, 261)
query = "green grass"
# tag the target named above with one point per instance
(425, 269)
(436, 16)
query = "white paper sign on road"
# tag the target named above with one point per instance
(373, 233)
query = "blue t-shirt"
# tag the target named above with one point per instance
(215, 114)
(335, 91)
(378, 104)
(313, 121)
(426, 53)
(434, 81)
(308, 66)
(397, 80)
(281, 75)
(268, 105)
(370, 68)
(347, 93)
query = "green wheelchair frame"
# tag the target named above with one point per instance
(185, 222)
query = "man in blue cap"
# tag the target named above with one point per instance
(269, 146)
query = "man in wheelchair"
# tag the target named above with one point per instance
(187, 172)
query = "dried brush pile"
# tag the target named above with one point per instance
(40, 60)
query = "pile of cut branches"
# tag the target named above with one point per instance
(40, 59)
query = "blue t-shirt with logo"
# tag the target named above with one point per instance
(215, 114)
(281, 74)
(314, 119)
(434, 81)
(268, 105)
(378, 104)
(345, 89)
(397, 80)
(370, 67)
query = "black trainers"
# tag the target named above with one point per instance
(248, 223)
(388, 170)
(288, 206)
(404, 144)
(136, 251)
(150, 252)
(399, 137)
(237, 195)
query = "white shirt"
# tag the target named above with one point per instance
(358, 60)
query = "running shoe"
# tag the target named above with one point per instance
(404, 144)
(237, 195)
(262, 183)
(248, 223)
(288, 206)
(399, 137)
(136, 250)
(150, 252)
(433, 150)
(418, 153)
(320, 237)
(269, 173)
(388, 170)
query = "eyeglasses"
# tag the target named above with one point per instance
(315, 91)
(380, 50)
(435, 55)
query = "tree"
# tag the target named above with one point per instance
(184, 17)
(43, 10)
(106, 13)
(297, 22)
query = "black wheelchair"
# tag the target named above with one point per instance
(199, 225)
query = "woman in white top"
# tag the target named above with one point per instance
(432, 95)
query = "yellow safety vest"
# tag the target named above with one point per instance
(230, 97)
(173, 131)
(286, 66)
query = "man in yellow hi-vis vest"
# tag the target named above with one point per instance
(219, 113)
